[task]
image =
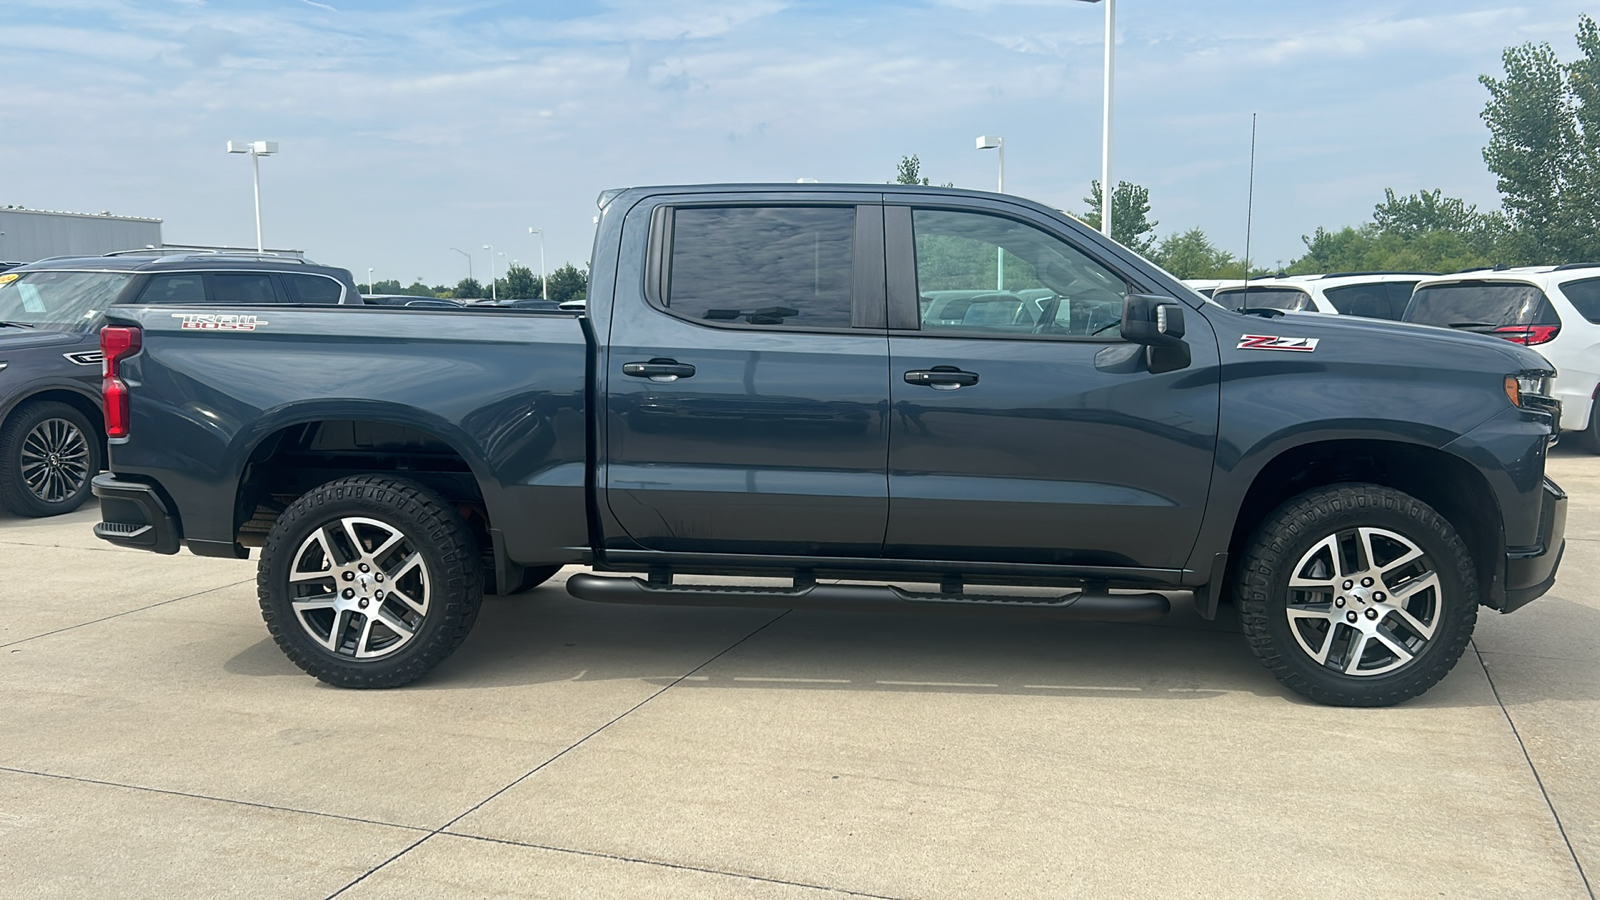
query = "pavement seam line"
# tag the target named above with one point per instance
(667, 865)
(129, 612)
(536, 769)
(100, 549)
(1560, 828)
(155, 790)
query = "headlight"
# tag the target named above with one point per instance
(1530, 389)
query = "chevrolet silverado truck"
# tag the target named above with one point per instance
(891, 398)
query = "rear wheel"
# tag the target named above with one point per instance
(1357, 595)
(369, 581)
(1589, 437)
(48, 454)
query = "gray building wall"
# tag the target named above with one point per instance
(30, 234)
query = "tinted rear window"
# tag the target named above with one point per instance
(1585, 297)
(1475, 306)
(788, 266)
(183, 287)
(242, 287)
(1382, 300)
(1288, 299)
(311, 288)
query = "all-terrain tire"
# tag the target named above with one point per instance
(49, 453)
(1294, 541)
(323, 541)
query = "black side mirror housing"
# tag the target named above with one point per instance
(1156, 322)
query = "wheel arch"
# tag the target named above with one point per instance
(71, 394)
(1444, 481)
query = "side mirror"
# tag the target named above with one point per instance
(1154, 321)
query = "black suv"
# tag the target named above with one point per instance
(52, 438)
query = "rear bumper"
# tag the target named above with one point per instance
(1530, 571)
(133, 514)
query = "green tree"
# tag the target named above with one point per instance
(1130, 215)
(1191, 254)
(1421, 232)
(468, 289)
(1544, 145)
(520, 283)
(387, 286)
(569, 283)
(418, 289)
(909, 171)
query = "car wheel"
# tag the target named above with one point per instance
(369, 581)
(1589, 437)
(1357, 595)
(48, 454)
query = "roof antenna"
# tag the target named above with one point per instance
(1249, 212)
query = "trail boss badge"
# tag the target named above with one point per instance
(1274, 342)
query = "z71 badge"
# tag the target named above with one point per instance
(211, 322)
(1274, 342)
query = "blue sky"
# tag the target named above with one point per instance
(409, 128)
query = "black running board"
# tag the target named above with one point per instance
(1082, 605)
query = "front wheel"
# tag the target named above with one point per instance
(1357, 595)
(48, 454)
(369, 581)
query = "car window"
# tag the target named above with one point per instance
(1585, 297)
(1373, 301)
(783, 266)
(1399, 298)
(1480, 306)
(311, 288)
(242, 287)
(58, 300)
(1287, 299)
(984, 274)
(179, 287)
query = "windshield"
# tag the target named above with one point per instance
(1287, 299)
(1480, 306)
(60, 301)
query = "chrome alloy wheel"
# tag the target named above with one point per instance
(359, 587)
(55, 460)
(1364, 601)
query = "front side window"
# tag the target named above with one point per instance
(247, 288)
(781, 266)
(186, 287)
(68, 301)
(311, 288)
(984, 274)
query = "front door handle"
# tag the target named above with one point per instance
(942, 378)
(659, 369)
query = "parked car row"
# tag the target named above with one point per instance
(1555, 309)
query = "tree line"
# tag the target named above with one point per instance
(1544, 147)
(519, 283)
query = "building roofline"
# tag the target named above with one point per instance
(77, 215)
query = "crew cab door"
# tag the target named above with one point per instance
(1024, 429)
(747, 378)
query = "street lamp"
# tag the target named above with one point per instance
(985, 142)
(544, 288)
(493, 291)
(256, 149)
(369, 279)
(1105, 119)
(469, 261)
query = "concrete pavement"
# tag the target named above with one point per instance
(153, 742)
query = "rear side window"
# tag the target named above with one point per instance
(1287, 299)
(765, 266)
(1480, 306)
(180, 287)
(1585, 297)
(311, 288)
(242, 287)
(1382, 300)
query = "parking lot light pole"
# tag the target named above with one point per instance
(493, 292)
(469, 261)
(369, 279)
(256, 149)
(1105, 118)
(544, 286)
(986, 142)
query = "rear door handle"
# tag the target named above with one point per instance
(659, 369)
(942, 378)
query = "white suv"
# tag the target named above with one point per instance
(1374, 295)
(1553, 309)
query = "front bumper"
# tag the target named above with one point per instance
(134, 514)
(1530, 571)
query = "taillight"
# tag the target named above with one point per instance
(117, 343)
(1527, 334)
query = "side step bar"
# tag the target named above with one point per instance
(1080, 605)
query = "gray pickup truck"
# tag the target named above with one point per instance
(843, 386)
